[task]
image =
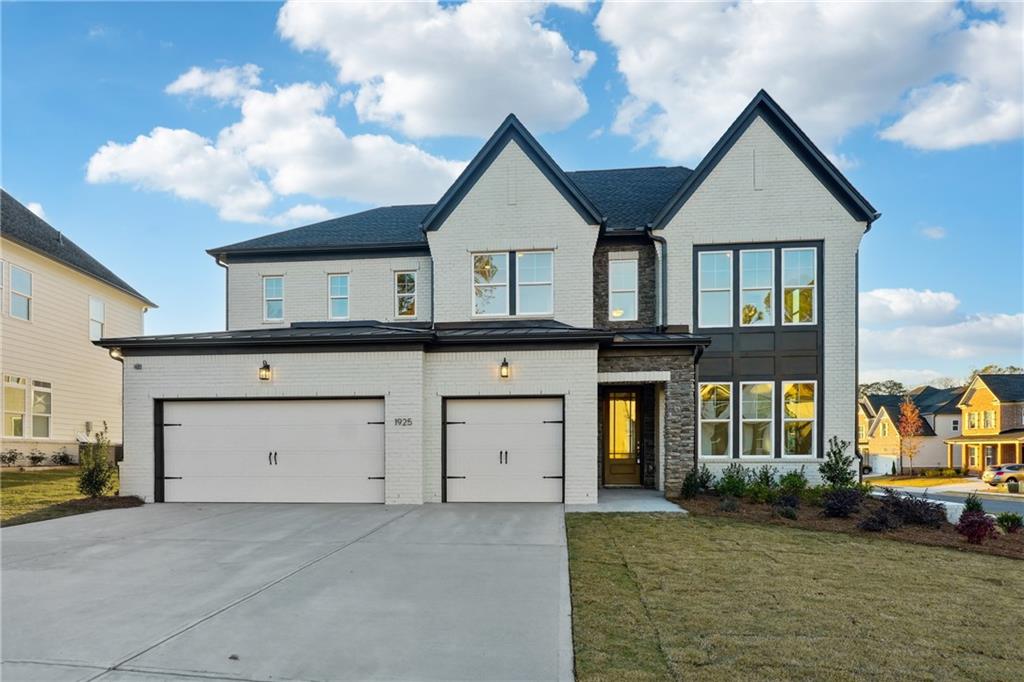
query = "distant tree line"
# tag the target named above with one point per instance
(892, 387)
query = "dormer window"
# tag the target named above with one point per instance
(500, 291)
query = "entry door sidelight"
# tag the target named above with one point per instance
(622, 438)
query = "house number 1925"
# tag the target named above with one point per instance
(403, 421)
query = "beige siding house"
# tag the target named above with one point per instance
(59, 388)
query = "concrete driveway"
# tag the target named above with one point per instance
(289, 592)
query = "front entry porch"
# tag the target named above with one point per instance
(981, 451)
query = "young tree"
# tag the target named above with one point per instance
(909, 427)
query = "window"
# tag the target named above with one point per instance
(885, 429)
(798, 417)
(622, 290)
(337, 297)
(757, 275)
(405, 294)
(860, 432)
(715, 420)
(21, 293)
(273, 298)
(42, 408)
(799, 277)
(3, 266)
(974, 455)
(534, 283)
(972, 420)
(956, 425)
(15, 390)
(490, 284)
(756, 401)
(97, 313)
(990, 419)
(714, 305)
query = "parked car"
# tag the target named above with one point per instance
(995, 474)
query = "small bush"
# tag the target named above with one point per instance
(784, 511)
(96, 472)
(788, 501)
(691, 485)
(729, 504)
(765, 476)
(949, 473)
(1010, 522)
(837, 470)
(10, 457)
(976, 526)
(880, 520)
(812, 495)
(973, 503)
(36, 458)
(841, 502)
(793, 482)
(705, 479)
(914, 510)
(60, 458)
(759, 493)
(933, 473)
(892, 472)
(733, 481)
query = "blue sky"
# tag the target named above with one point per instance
(349, 107)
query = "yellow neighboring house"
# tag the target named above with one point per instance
(55, 299)
(992, 410)
(878, 438)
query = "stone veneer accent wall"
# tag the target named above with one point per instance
(679, 403)
(647, 294)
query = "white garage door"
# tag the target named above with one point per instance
(504, 450)
(274, 451)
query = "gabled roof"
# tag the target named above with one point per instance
(510, 129)
(24, 227)
(1007, 388)
(766, 107)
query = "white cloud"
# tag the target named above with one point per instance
(302, 214)
(691, 67)
(881, 306)
(36, 208)
(934, 232)
(430, 70)
(978, 339)
(226, 83)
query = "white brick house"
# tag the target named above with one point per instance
(535, 335)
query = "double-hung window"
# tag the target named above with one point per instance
(622, 290)
(490, 284)
(972, 420)
(15, 393)
(273, 298)
(757, 275)
(756, 402)
(337, 295)
(715, 283)
(405, 294)
(42, 408)
(535, 283)
(97, 317)
(715, 419)
(956, 425)
(21, 293)
(885, 429)
(533, 279)
(799, 402)
(989, 419)
(799, 286)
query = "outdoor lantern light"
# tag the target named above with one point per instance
(265, 371)
(503, 371)
(116, 353)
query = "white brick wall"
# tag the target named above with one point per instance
(513, 206)
(792, 205)
(371, 289)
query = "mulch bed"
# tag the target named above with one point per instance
(1007, 545)
(73, 507)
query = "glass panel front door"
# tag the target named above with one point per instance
(622, 438)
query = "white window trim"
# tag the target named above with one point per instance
(985, 423)
(884, 428)
(331, 298)
(813, 420)
(415, 294)
(701, 290)
(102, 322)
(770, 420)
(972, 420)
(26, 423)
(955, 424)
(265, 298)
(771, 289)
(32, 414)
(520, 285)
(701, 420)
(635, 290)
(813, 288)
(472, 283)
(13, 293)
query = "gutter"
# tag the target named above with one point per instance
(663, 276)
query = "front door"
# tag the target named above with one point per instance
(622, 438)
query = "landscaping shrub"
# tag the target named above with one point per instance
(1010, 522)
(728, 504)
(10, 457)
(976, 526)
(705, 479)
(893, 471)
(865, 488)
(880, 520)
(812, 495)
(788, 500)
(765, 476)
(36, 458)
(691, 485)
(933, 473)
(1013, 487)
(784, 511)
(949, 473)
(973, 503)
(96, 472)
(793, 482)
(733, 481)
(760, 493)
(60, 458)
(914, 510)
(841, 502)
(836, 470)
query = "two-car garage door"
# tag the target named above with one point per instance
(274, 451)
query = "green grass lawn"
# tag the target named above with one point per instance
(918, 481)
(37, 495)
(668, 597)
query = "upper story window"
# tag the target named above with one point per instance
(15, 393)
(757, 282)
(21, 293)
(273, 298)
(756, 401)
(533, 277)
(860, 432)
(799, 286)
(535, 283)
(885, 429)
(715, 282)
(622, 290)
(97, 317)
(972, 420)
(798, 417)
(490, 284)
(405, 294)
(990, 419)
(337, 294)
(715, 419)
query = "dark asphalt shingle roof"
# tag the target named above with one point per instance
(1008, 388)
(21, 225)
(630, 197)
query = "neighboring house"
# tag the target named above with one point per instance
(879, 439)
(992, 414)
(532, 336)
(59, 388)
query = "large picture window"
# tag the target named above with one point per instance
(490, 284)
(534, 283)
(15, 393)
(273, 298)
(405, 294)
(21, 293)
(757, 281)
(756, 434)
(799, 286)
(622, 290)
(799, 402)
(337, 296)
(715, 283)
(715, 420)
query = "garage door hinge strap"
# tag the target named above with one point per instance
(374, 422)
(455, 422)
(454, 477)
(172, 424)
(374, 478)
(550, 476)
(552, 421)
(172, 478)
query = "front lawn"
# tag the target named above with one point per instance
(663, 597)
(918, 481)
(36, 495)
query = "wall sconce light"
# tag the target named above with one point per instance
(503, 370)
(265, 371)
(116, 354)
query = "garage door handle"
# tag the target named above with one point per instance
(270, 458)
(275, 457)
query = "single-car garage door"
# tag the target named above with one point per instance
(503, 450)
(274, 451)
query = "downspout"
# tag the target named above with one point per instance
(663, 322)
(227, 271)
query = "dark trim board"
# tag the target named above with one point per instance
(445, 424)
